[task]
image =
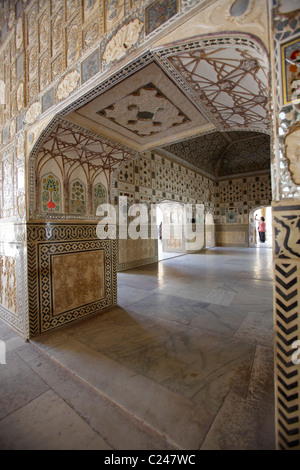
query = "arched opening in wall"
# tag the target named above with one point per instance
(210, 238)
(169, 220)
(70, 173)
(66, 248)
(256, 216)
(167, 126)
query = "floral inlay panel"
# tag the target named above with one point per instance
(50, 193)
(77, 198)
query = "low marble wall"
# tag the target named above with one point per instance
(232, 235)
(132, 253)
(72, 273)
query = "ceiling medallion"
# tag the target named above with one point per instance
(145, 115)
(145, 111)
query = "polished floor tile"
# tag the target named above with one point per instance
(184, 361)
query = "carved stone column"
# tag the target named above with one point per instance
(286, 223)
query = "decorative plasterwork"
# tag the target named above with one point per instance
(239, 12)
(202, 152)
(122, 41)
(286, 24)
(146, 111)
(33, 112)
(67, 85)
(73, 147)
(231, 82)
(220, 154)
(143, 111)
(292, 153)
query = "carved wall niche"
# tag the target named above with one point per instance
(77, 197)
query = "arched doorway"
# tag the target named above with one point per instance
(254, 219)
(169, 216)
(210, 239)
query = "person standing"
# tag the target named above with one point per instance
(262, 230)
(160, 231)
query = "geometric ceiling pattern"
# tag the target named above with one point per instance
(73, 148)
(204, 102)
(160, 114)
(144, 110)
(230, 82)
(225, 153)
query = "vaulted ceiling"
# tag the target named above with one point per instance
(224, 153)
(205, 102)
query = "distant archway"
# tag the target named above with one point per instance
(254, 218)
(210, 238)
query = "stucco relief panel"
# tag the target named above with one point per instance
(91, 34)
(44, 30)
(292, 152)
(72, 6)
(90, 7)
(8, 286)
(114, 12)
(57, 33)
(73, 42)
(122, 41)
(8, 184)
(67, 85)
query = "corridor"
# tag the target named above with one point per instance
(184, 362)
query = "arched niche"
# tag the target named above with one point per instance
(77, 197)
(99, 196)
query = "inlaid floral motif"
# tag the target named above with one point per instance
(50, 193)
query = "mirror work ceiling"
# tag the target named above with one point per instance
(206, 106)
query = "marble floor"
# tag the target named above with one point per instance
(184, 362)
